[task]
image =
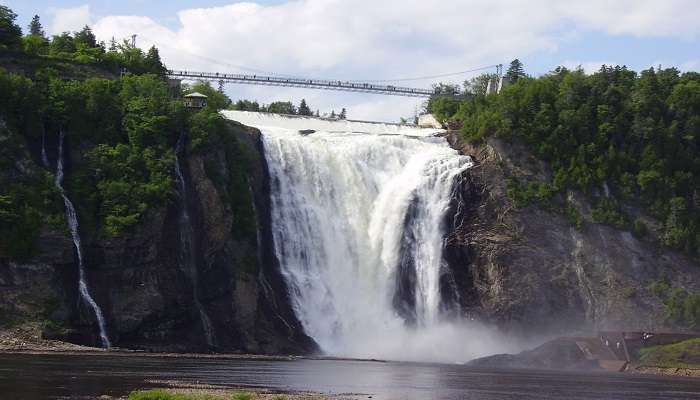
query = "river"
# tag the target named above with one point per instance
(57, 376)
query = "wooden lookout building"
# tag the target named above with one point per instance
(195, 100)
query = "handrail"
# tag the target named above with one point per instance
(308, 83)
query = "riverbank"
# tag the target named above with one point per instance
(668, 371)
(181, 391)
(28, 338)
(104, 376)
(672, 360)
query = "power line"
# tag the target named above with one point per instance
(260, 71)
(431, 76)
(211, 60)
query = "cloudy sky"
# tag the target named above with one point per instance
(387, 39)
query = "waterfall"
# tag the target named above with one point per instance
(72, 218)
(44, 157)
(188, 254)
(358, 221)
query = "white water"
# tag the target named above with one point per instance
(187, 252)
(72, 218)
(44, 157)
(349, 203)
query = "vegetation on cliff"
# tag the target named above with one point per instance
(285, 107)
(677, 355)
(628, 140)
(120, 136)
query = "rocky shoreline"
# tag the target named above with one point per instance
(556, 354)
(670, 371)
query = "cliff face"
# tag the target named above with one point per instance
(146, 297)
(526, 270)
(531, 272)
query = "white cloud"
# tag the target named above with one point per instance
(369, 39)
(637, 17)
(69, 19)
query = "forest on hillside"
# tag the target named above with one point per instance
(121, 133)
(628, 140)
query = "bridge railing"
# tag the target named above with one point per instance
(316, 83)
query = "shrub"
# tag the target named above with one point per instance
(660, 288)
(639, 229)
(573, 216)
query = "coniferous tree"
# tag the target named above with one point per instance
(153, 64)
(113, 45)
(343, 114)
(35, 28)
(85, 38)
(332, 113)
(62, 44)
(10, 33)
(318, 114)
(304, 108)
(515, 71)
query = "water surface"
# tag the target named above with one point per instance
(88, 376)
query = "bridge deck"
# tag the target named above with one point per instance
(305, 83)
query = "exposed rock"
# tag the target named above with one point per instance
(556, 354)
(146, 298)
(531, 272)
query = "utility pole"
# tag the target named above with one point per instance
(133, 40)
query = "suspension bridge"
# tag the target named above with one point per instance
(347, 86)
(323, 84)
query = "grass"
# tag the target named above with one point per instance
(685, 354)
(158, 394)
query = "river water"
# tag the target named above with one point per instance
(24, 376)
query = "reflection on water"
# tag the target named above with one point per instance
(81, 376)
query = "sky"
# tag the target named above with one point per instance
(388, 39)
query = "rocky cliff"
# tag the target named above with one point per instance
(530, 271)
(527, 270)
(136, 278)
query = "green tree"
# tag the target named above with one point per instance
(246, 105)
(304, 108)
(35, 45)
(281, 107)
(85, 38)
(343, 114)
(479, 84)
(35, 27)
(515, 71)
(215, 99)
(62, 45)
(10, 33)
(676, 233)
(153, 64)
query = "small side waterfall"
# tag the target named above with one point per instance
(187, 255)
(44, 157)
(72, 218)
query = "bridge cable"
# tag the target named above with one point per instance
(299, 77)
